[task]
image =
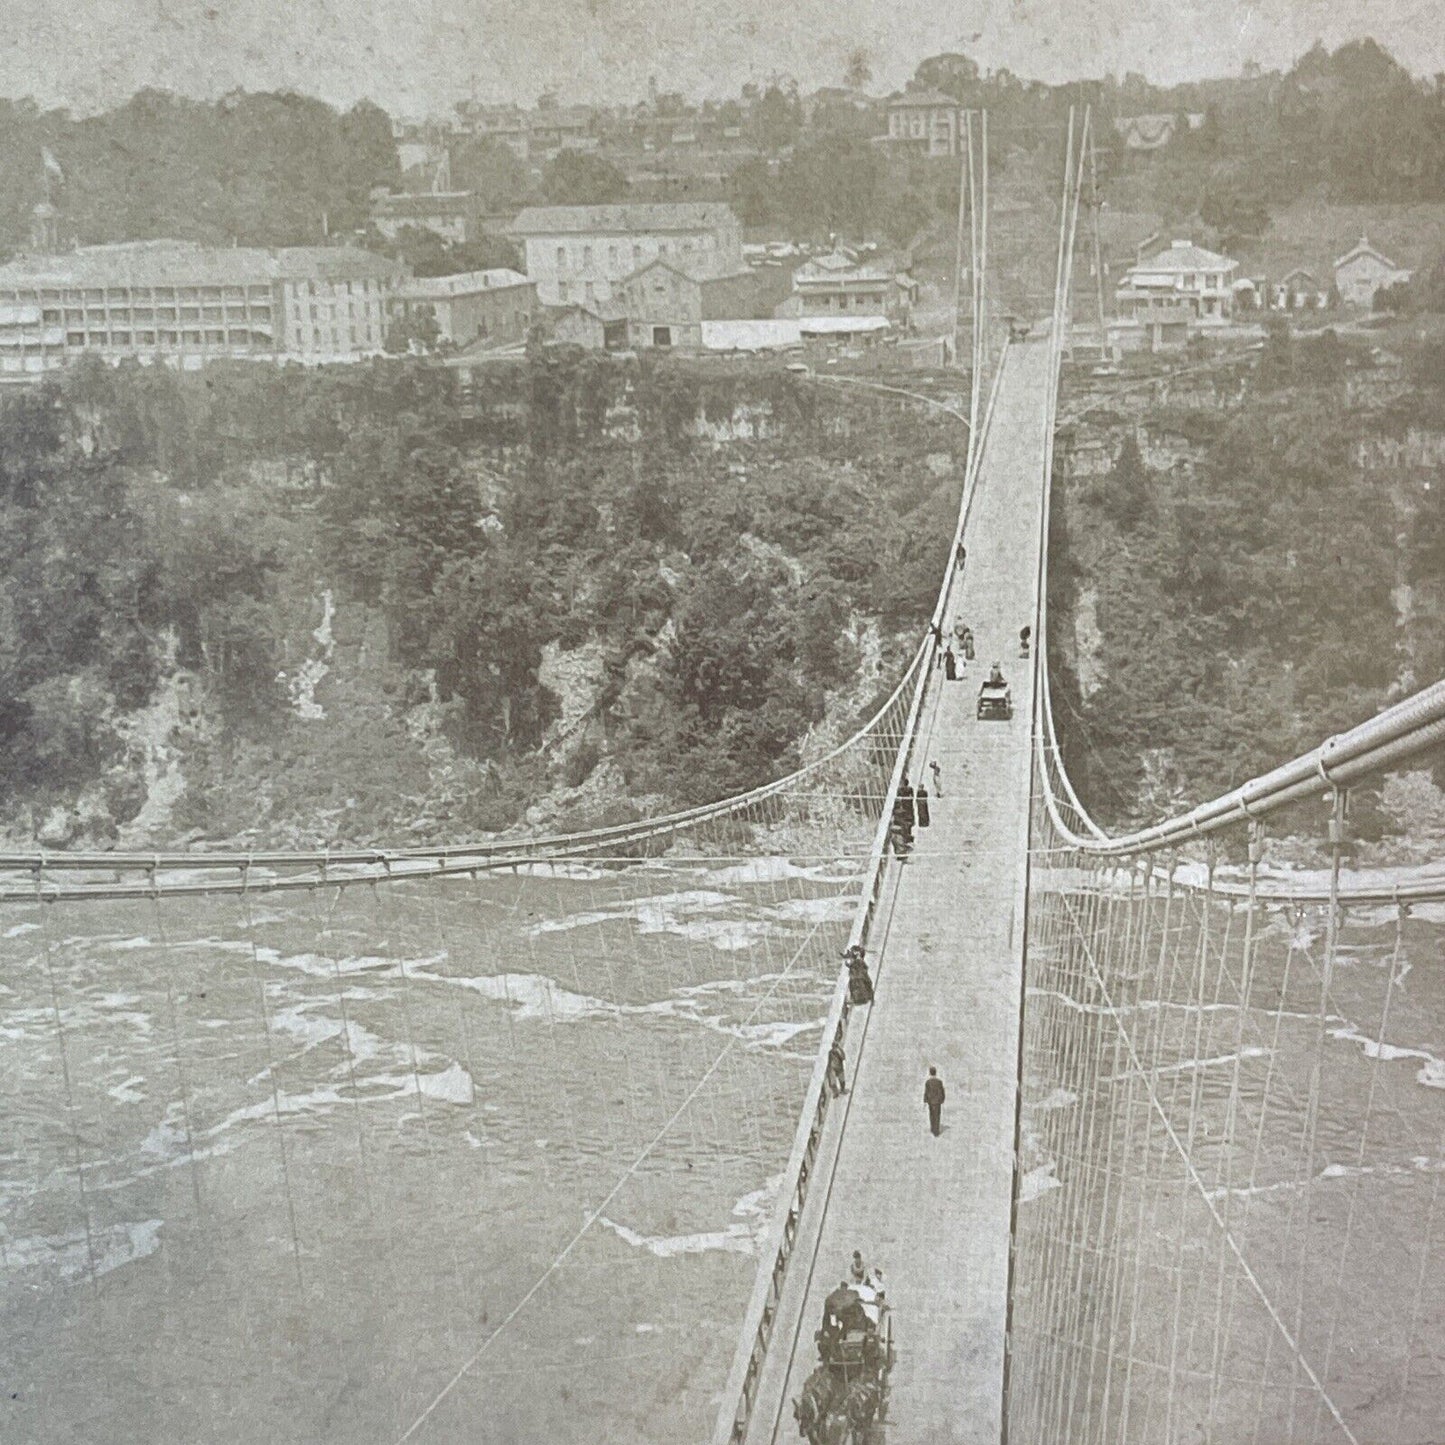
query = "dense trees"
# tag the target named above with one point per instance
(258, 169)
(1242, 611)
(428, 254)
(157, 521)
(578, 178)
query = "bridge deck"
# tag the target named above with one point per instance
(933, 1214)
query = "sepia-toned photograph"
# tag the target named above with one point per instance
(722, 724)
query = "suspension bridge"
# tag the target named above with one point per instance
(532, 1139)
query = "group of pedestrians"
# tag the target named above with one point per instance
(952, 662)
(911, 810)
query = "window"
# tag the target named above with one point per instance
(612, 256)
(586, 258)
(637, 250)
(662, 336)
(562, 291)
(561, 258)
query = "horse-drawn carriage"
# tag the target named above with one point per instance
(995, 700)
(847, 1393)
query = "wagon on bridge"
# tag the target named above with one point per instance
(995, 700)
(847, 1393)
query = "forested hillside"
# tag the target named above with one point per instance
(357, 602)
(1283, 579)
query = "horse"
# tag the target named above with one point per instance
(812, 1408)
(860, 1405)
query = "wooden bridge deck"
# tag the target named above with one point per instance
(933, 1213)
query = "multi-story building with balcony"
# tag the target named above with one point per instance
(1174, 292)
(185, 304)
(840, 285)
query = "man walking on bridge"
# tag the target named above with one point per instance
(933, 1098)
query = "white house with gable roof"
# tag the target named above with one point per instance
(1362, 271)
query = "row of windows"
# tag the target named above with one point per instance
(333, 312)
(917, 125)
(871, 302)
(314, 339)
(505, 322)
(128, 295)
(181, 336)
(127, 315)
(588, 292)
(619, 253)
(337, 288)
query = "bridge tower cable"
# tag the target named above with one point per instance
(965, 169)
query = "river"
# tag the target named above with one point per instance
(316, 1167)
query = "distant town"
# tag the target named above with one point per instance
(825, 224)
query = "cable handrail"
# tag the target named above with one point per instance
(549, 845)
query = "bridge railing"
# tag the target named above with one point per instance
(740, 1393)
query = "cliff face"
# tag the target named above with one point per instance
(390, 608)
(1231, 582)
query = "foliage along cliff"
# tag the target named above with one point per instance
(1282, 578)
(371, 603)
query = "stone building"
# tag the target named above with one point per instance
(476, 308)
(579, 254)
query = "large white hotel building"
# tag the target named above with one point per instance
(185, 304)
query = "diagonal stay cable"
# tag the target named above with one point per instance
(565, 1252)
(1209, 1203)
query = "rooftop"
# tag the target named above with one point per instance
(930, 98)
(623, 219)
(841, 325)
(699, 270)
(184, 263)
(835, 269)
(464, 283)
(1363, 248)
(1186, 256)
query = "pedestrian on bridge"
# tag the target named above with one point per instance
(933, 1098)
(960, 556)
(950, 665)
(920, 805)
(837, 1083)
(860, 986)
(937, 778)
